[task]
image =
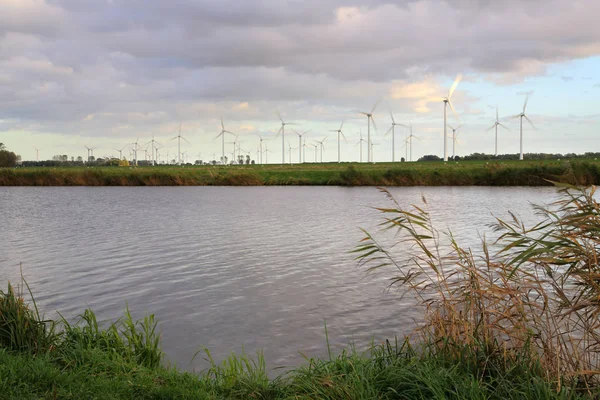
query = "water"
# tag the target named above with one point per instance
(228, 268)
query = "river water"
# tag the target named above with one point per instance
(229, 268)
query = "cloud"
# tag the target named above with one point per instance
(567, 78)
(117, 68)
(597, 85)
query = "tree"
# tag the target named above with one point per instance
(402, 159)
(247, 160)
(8, 159)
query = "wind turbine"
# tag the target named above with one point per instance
(496, 124)
(339, 132)
(373, 144)
(304, 146)
(267, 151)
(152, 144)
(135, 150)
(282, 131)
(261, 150)
(409, 140)
(89, 150)
(120, 152)
(369, 120)
(447, 101)
(521, 116)
(290, 150)
(179, 137)
(300, 160)
(392, 129)
(360, 142)
(322, 146)
(222, 135)
(37, 154)
(454, 139)
(316, 147)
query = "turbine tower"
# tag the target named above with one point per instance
(222, 135)
(300, 147)
(409, 140)
(316, 146)
(392, 129)
(369, 120)
(496, 124)
(340, 133)
(447, 101)
(322, 146)
(521, 116)
(282, 131)
(179, 137)
(360, 142)
(454, 139)
(260, 148)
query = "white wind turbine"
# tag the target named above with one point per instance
(304, 146)
(360, 142)
(300, 146)
(369, 120)
(521, 116)
(120, 152)
(260, 147)
(267, 151)
(447, 101)
(454, 139)
(153, 147)
(222, 135)
(496, 125)
(179, 137)
(37, 154)
(282, 131)
(316, 146)
(322, 146)
(409, 140)
(290, 148)
(392, 129)
(135, 150)
(90, 150)
(340, 134)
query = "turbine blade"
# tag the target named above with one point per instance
(504, 126)
(373, 121)
(392, 116)
(344, 136)
(222, 125)
(497, 119)
(454, 85)
(279, 115)
(525, 104)
(342, 125)
(388, 131)
(375, 106)
(453, 110)
(530, 123)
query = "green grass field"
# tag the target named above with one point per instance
(462, 173)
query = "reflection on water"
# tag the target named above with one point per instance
(226, 267)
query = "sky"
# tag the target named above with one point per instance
(101, 73)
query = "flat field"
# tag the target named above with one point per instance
(461, 173)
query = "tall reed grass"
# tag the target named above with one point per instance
(529, 301)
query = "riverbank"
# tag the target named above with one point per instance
(464, 173)
(58, 360)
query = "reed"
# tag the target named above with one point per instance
(531, 304)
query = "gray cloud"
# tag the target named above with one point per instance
(108, 67)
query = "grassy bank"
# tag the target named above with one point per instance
(517, 323)
(464, 173)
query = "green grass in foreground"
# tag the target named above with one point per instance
(464, 173)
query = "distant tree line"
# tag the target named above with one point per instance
(8, 159)
(514, 156)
